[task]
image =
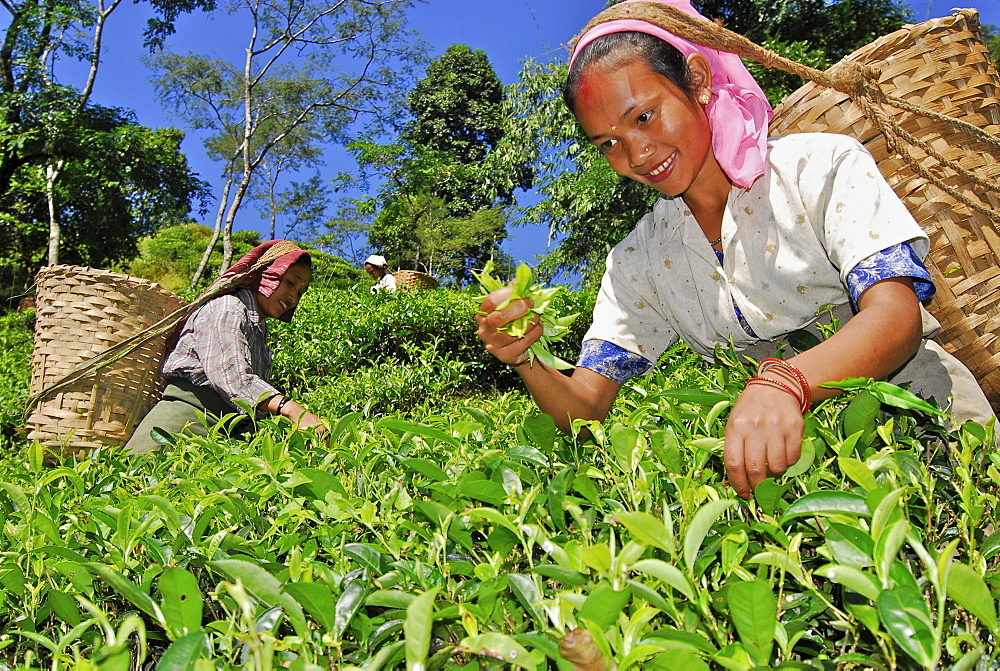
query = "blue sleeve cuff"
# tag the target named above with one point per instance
(613, 362)
(897, 261)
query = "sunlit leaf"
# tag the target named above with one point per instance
(182, 601)
(905, 615)
(498, 646)
(968, 589)
(827, 503)
(700, 525)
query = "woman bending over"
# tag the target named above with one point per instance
(751, 237)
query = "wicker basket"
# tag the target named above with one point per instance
(943, 65)
(80, 313)
(413, 279)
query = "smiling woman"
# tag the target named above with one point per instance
(753, 240)
(217, 361)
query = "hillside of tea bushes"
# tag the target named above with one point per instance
(447, 525)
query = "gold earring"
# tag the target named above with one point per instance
(705, 98)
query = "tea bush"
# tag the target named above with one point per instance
(16, 338)
(394, 349)
(470, 534)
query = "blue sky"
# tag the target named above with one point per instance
(507, 30)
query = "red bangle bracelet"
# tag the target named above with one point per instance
(785, 367)
(775, 384)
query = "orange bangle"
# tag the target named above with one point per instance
(775, 384)
(786, 367)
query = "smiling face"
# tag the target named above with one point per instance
(289, 292)
(648, 128)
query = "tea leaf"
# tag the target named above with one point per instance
(184, 652)
(182, 601)
(426, 468)
(498, 646)
(863, 583)
(317, 600)
(348, 604)
(667, 574)
(265, 587)
(827, 503)
(754, 610)
(417, 628)
(904, 613)
(648, 530)
(968, 589)
(858, 471)
(603, 605)
(127, 589)
(64, 606)
(702, 522)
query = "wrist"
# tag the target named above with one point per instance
(281, 405)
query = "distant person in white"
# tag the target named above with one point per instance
(375, 267)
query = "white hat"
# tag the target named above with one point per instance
(376, 260)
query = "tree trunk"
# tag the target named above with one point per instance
(215, 230)
(51, 175)
(227, 231)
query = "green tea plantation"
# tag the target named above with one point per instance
(446, 524)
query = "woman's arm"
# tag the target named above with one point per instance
(582, 395)
(764, 431)
(278, 405)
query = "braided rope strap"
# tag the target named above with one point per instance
(856, 80)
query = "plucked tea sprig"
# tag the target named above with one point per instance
(554, 327)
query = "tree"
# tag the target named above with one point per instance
(434, 174)
(991, 37)
(118, 181)
(36, 111)
(310, 69)
(835, 27)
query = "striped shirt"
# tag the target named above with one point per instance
(224, 346)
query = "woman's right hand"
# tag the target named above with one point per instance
(507, 348)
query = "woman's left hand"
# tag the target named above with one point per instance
(764, 432)
(763, 437)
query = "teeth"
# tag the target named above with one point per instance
(663, 166)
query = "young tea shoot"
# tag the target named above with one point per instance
(554, 327)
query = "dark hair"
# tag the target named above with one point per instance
(304, 260)
(618, 49)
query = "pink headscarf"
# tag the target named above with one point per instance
(738, 113)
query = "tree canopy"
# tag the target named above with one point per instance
(310, 69)
(437, 209)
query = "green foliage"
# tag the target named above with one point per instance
(171, 255)
(585, 204)
(835, 28)
(991, 36)
(438, 209)
(554, 327)
(119, 181)
(472, 531)
(777, 84)
(16, 338)
(394, 350)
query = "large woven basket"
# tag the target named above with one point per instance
(81, 312)
(942, 65)
(414, 279)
